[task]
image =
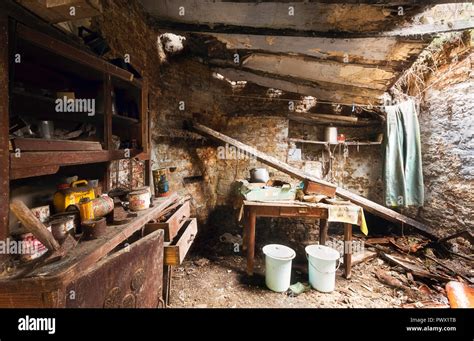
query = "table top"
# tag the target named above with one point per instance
(292, 203)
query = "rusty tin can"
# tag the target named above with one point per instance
(139, 199)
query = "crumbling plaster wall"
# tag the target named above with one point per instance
(447, 130)
(360, 171)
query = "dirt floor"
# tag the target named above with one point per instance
(202, 283)
(222, 282)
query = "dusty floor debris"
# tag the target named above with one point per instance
(214, 286)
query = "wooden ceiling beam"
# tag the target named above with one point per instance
(338, 93)
(371, 51)
(299, 16)
(378, 78)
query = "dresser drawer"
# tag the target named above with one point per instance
(176, 251)
(173, 225)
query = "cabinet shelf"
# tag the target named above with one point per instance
(31, 164)
(43, 107)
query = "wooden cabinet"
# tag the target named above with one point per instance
(122, 269)
(129, 278)
(44, 68)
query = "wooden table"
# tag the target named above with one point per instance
(254, 209)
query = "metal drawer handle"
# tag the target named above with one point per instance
(302, 210)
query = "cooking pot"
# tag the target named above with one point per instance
(259, 175)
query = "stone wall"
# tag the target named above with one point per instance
(360, 170)
(447, 130)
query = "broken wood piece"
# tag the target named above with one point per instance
(32, 224)
(449, 269)
(416, 270)
(382, 241)
(460, 295)
(465, 234)
(368, 205)
(362, 257)
(388, 279)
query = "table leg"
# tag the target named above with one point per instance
(245, 233)
(323, 231)
(251, 241)
(347, 250)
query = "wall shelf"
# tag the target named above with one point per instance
(31, 164)
(325, 143)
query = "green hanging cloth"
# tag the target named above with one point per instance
(403, 173)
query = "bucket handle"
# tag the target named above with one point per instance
(324, 272)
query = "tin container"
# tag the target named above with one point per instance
(139, 199)
(330, 135)
(259, 175)
(32, 248)
(61, 227)
(102, 206)
(42, 213)
(86, 209)
(93, 229)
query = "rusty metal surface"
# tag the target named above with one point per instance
(131, 277)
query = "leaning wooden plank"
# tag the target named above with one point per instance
(387, 213)
(30, 222)
(265, 158)
(368, 205)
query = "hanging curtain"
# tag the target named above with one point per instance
(403, 174)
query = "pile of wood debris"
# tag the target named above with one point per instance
(431, 273)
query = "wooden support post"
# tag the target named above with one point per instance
(347, 250)
(4, 126)
(323, 231)
(251, 241)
